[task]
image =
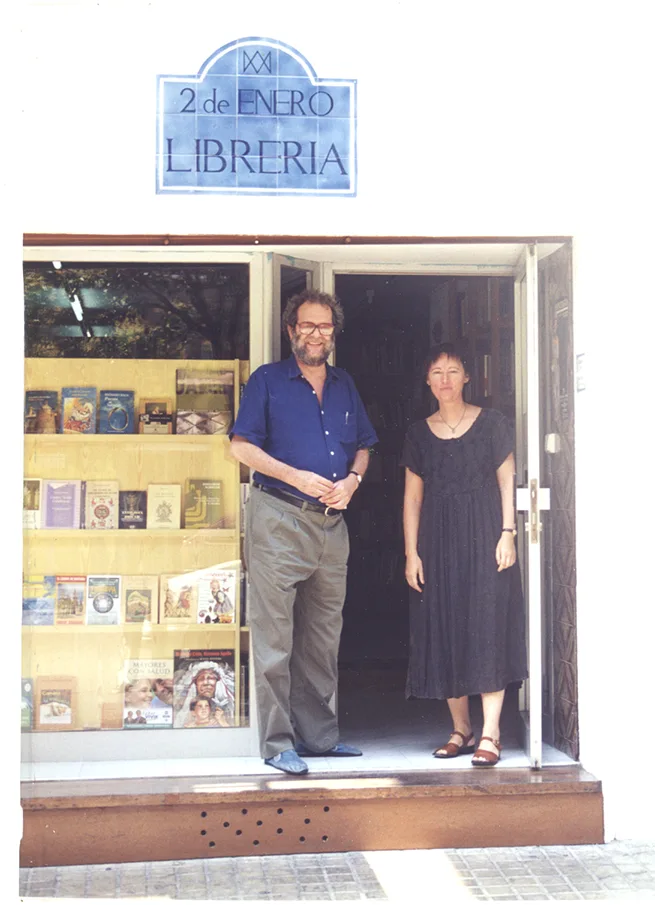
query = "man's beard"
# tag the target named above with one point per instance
(313, 360)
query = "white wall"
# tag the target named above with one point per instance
(474, 119)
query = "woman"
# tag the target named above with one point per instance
(467, 632)
(139, 693)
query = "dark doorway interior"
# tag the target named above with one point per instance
(390, 323)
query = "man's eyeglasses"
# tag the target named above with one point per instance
(307, 328)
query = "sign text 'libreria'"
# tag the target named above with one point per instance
(256, 120)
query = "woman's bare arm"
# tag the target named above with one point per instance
(413, 501)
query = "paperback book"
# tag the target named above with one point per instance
(103, 599)
(203, 503)
(204, 401)
(132, 509)
(178, 599)
(163, 506)
(26, 705)
(217, 596)
(148, 694)
(41, 411)
(39, 599)
(204, 689)
(61, 504)
(31, 503)
(78, 410)
(55, 702)
(100, 504)
(156, 416)
(70, 596)
(116, 412)
(140, 597)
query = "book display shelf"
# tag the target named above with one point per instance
(79, 670)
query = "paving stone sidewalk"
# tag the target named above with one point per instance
(618, 871)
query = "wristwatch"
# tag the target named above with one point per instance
(357, 475)
(512, 531)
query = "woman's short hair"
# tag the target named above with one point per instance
(290, 315)
(450, 350)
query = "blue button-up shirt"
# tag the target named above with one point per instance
(280, 413)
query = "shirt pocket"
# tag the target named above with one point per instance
(347, 429)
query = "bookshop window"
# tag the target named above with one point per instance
(174, 311)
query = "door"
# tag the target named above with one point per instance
(531, 498)
(289, 275)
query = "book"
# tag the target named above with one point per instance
(204, 401)
(111, 715)
(103, 599)
(204, 689)
(244, 692)
(132, 509)
(41, 411)
(217, 589)
(70, 596)
(100, 504)
(55, 702)
(31, 503)
(148, 694)
(163, 506)
(140, 598)
(156, 416)
(78, 410)
(203, 503)
(178, 599)
(26, 705)
(61, 504)
(116, 412)
(38, 599)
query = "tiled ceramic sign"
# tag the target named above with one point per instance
(256, 120)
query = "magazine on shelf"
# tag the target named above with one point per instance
(217, 590)
(204, 401)
(156, 415)
(70, 597)
(38, 599)
(140, 595)
(148, 694)
(32, 488)
(204, 689)
(132, 509)
(203, 503)
(103, 599)
(78, 410)
(178, 599)
(116, 412)
(41, 411)
(61, 503)
(100, 504)
(163, 506)
(55, 702)
(26, 704)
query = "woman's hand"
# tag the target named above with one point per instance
(414, 571)
(505, 551)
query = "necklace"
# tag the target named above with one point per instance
(453, 429)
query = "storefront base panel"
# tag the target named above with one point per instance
(166, 820)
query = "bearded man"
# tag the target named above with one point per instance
(303, 428)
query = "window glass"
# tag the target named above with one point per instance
(75, 310)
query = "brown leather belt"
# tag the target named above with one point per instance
(305, 505)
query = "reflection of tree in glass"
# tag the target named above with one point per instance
(137, 311)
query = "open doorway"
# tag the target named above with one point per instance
(391, 320)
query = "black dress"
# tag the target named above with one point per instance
(467, 627)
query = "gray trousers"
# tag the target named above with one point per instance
(296, 563)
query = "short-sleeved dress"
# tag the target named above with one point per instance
(467, 627)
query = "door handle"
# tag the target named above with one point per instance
(533, 499)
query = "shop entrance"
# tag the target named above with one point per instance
(511, 305)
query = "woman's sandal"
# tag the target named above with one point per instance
(486, 758)
(453, 750)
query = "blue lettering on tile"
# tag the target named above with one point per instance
(256, 119)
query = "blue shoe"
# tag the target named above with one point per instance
(338, 750)
(287, 761)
